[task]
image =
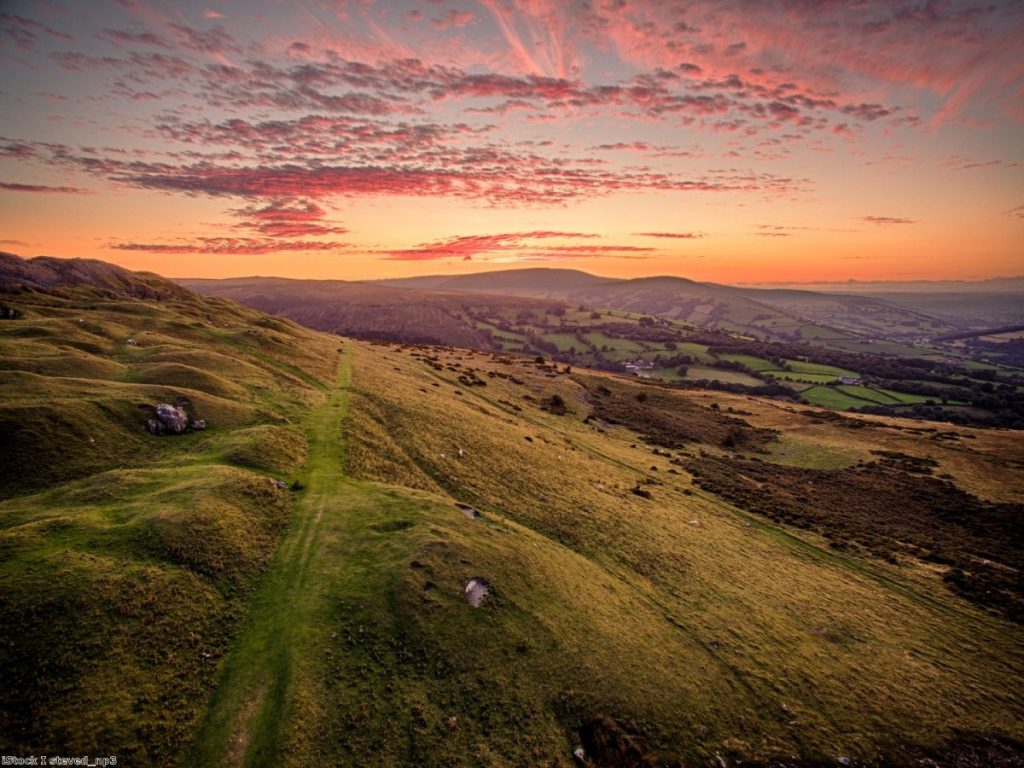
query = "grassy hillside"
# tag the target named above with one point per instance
(639, 601)
(127, 558)
(659, 592)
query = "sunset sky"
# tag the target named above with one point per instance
(733, 141)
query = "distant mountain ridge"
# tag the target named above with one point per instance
(542, 282)
(775, 313)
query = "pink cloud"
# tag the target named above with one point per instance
(673, 235)
(887, 220)
(41, 188)
(231, 246)
(452, 19)
(467, 247)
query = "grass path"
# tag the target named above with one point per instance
(246, 721)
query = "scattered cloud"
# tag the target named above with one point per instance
(288, 218)
(24, 32)
(41, 188)
(673, 235)
(512, 246)
(887, 220)
(452, 19)
(231, 246)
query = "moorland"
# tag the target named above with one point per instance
(665, 569)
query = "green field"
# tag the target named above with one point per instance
(882, 397)
(753, 363)
(698, 372)
(829, 397)
(565, 341)
(618, 345)
(816, 378)
(801, 366)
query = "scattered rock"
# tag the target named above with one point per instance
(471, 512)
(198, 425)
(641, 492)
(132, 343)
(281, 485)
(696, 523)
(173, 420)
(476, 591)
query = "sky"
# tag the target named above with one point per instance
(735, 141)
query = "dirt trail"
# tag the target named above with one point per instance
(248, 713)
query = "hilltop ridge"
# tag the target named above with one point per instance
(47, 273)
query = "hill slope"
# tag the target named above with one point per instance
(671, 580)
(836, 320)
(366, 310)
(127, 558)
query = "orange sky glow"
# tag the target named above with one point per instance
(739, 141)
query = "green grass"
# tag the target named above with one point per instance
(816, 378)
(666, 374)
(564, 341)
(910, 398)
(801, 366)
(261, 678)
(870, 394)
(698, 372)
(174, 607)
(754, 363)
(618, 345)
(830, 397)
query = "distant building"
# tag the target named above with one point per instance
(848, 380)
(640, 367)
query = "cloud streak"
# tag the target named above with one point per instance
(41, 189)
(511, 246)
(231, 246)
(886, 221)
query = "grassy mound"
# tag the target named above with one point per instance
(187, 377)
(267, 448)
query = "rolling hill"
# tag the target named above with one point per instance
(476, 559)
(827, 318)
(367, 310)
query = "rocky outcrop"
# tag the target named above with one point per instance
(171, 420)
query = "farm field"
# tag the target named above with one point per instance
(698, 372)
